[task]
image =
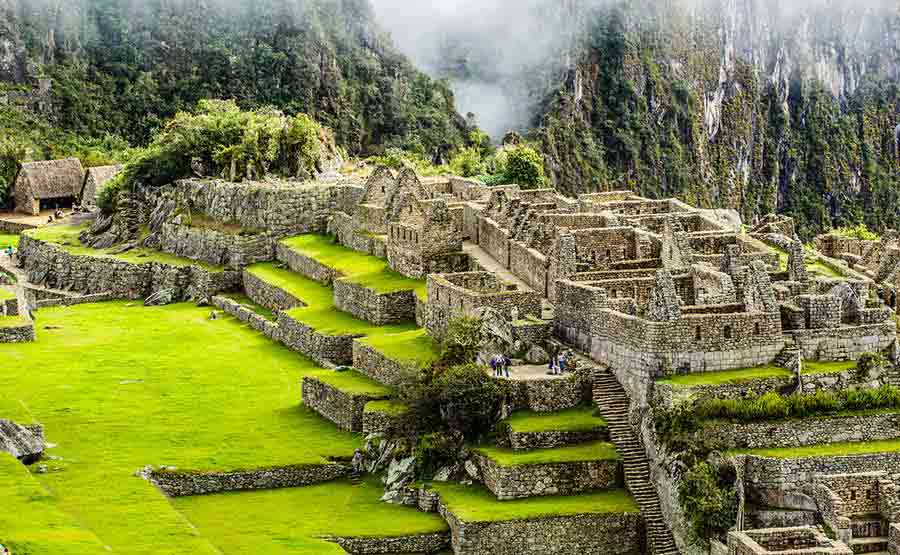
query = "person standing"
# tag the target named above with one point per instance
(494, 363)
(506, 363)
(562, 363)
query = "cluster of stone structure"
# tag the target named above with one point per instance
(55, 184)
(643, 289)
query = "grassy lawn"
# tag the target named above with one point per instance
(413, 347)
(726, 376)
(571, 420)
(813, 367)
(8, 241)
(387, 407)
(66, 236)
(247, 523)
(366, 270)
(320, 312)
(477, 504)
(352, 383)
(594, 451)
(118, 388)
(6, 294)
(825, 450)
(30, 521)
(823, 270)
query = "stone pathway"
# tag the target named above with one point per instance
(530, 372)
(490, 264)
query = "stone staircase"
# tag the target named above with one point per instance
(869, 535)
(789, 354)
(614, 404)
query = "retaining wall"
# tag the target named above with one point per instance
(534, 480)
(375, 365)
(771, 473)
(268, 295)
(23, 333)
(181, 484)
(215, 247)
(344, 409)
(422, 543)
(550, 395)
(377, 308)
(802, 432)
(305, 265)
(525, 441)
(51, 266)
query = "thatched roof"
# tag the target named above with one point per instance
(94, 181)
(52, 178)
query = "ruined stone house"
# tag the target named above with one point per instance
(94, 180)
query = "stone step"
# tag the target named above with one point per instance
(869, 545)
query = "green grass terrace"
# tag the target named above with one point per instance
(742, 375)
(66, 237)
(571, 420)
(366, 270)
(584, 452)
(413, 348)
(352, 383)
(320, 313)
(6, 294)
(7, 240)
(825, 450)
(477, 504)
(119, 386)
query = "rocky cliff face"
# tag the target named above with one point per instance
(743, 104)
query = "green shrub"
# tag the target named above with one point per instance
(467, 162)
(868, 363)
(436, 450)
(461, 342)
(710, 503)
(858, 232)
(469, 401)
(525, 167)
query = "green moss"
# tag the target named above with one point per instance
(594, 451)
(814, 367)
(366, 270)
(392, 408)
(352, 383)
(572, 420)
(31, 521)
(477, 504)
(247, 523)
(726, 376)
(66, 237)
(118, 387)
(825, 450)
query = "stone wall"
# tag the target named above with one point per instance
(529, 265)
(282, 208)
(267, 295)
(23, 333)
(10, 307)
(806, 431)
(452, 295)
(53, 267)
(894, 540)
(344, 409)
(844, 343)
(667, 395)
(305, 265)
(8, 227)
(550, 395)
(346, 230)
(784, 474)
(327, 350)
(535, 480)
(175, 483)
(609, 534)
(73, 301)
(377, 308)
(524, 441)
(422, 543)
(257, 322)
(231, 250)
(378, 422)
(494, 240)
(376, 365)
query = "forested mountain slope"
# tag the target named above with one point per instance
(124, 66)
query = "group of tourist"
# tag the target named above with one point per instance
(558, 362)
(500, 363)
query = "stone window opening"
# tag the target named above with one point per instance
(727, 332)
(853, 495)
(756, 330)
(608, 253)
(698, 335)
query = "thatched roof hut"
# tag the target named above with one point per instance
(50, 180)
(94, 180)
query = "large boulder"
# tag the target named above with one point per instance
(25, 443)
